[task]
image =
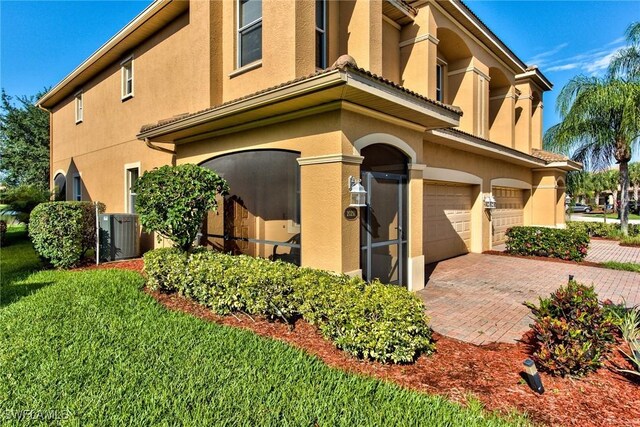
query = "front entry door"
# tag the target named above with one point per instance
(383, 235)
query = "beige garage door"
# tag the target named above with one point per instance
(508, 212)
(447, 220)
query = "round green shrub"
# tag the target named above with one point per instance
(63, 232)
(174, 200)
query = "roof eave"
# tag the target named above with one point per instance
(349, 79)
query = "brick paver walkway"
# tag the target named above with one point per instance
(478, 298)
(609, 250)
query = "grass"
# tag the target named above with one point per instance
(624, 266)
(17, 261)
(614, 215)
(91, 348)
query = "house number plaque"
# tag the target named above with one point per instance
(351, 213)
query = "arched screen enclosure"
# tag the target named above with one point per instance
(261, 215)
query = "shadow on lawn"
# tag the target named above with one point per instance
(16, 291)
(17, 261)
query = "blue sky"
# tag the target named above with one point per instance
(42, 41)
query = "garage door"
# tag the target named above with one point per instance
(447, 220)
(508, 212)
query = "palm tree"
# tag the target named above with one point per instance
(626, 63)
(600, 123)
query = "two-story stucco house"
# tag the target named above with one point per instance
(430, 110)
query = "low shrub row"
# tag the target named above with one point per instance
(568, 244)
(371, 321)
(62, 232)
(573, 332)
(600, 229)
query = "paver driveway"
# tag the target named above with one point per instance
(478, 297)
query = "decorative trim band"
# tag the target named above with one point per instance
(466, 70)
(433, 39)
(330, 158)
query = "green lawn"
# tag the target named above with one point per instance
(613, 215)
(625, 266)
(17, 260)
(92, 348)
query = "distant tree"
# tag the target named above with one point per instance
(634, 179)
(580, 186)
(24, 142)
(21, 200)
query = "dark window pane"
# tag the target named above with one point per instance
(251, 45)
(261, 214)
(250, 10)
(320, 14)
(320, 63)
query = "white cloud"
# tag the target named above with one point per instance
(592, 62)
(563, 67)
(541, 58)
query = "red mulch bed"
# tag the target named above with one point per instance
(489, 372)
(548, 259)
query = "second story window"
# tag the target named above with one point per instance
(249, 31)
(439, 82)
(79, 107)
(127, 78)
(321, 34)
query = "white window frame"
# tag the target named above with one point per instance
(77, 187)
(239, 30)
(323, 31)
(79, 106)
(124, 78)
(127, 185)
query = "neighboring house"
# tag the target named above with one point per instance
(436, 117)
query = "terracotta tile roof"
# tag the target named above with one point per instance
(341, 65)
(548, 156)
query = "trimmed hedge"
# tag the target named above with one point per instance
(600, 229)
(62, 232)
(573, 333)
(563, 243)
(372, 321)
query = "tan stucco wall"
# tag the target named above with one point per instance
(99, 147)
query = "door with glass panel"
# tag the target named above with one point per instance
(383, 236)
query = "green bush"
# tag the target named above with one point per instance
(165, 269)
(372, 321)
(63, 232)
(567, 244)
(174, 200)
(573, 333)
(630, 241)
(600, 229)
(242, 283)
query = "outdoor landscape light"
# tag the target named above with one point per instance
(489, 202)
(533, 377)
(358, 193)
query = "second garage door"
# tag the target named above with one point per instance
(447, 220)
(508, 212)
